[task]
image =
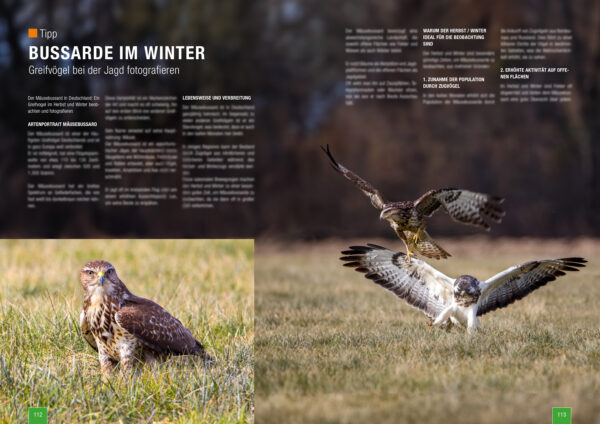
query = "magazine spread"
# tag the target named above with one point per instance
(295, 211)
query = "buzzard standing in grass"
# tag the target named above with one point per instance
(407, 218)
(123, 327)
(459, 300)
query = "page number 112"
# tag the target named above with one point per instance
(38, 415)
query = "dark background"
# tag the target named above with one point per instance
(289, 56)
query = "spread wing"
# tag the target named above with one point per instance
(517, 282)
(376, 197)
(463, 206)
(156, 328)
(418, 283)
(86, 332)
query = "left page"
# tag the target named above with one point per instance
(127, 179)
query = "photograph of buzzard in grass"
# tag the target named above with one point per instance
(173, 345)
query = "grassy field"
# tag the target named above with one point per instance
(44, 361)
(333, 347)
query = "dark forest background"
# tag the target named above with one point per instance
(543, 158)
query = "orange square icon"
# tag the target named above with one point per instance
(32, 32)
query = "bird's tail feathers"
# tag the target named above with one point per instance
(426, 246)
(206, 358)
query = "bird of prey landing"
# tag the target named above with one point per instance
(407, 218)
(127, 328)
(460, 300)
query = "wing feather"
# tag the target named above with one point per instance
(372, 193)
(156, 328)
(517, 282)
(418, 283)
(86, 332)
(463, 206)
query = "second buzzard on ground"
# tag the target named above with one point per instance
(461, 300)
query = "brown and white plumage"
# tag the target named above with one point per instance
(155, 328)
(518, 281)
(123, 327)
(407, 218)
(442, 298)
(467, 207)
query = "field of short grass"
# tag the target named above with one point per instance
(44, 361)
(333, 347)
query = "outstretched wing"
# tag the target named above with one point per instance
(86, 332)
(517, 282)
(463, 206)
(418, 283)
(156, 328)
(376, 197)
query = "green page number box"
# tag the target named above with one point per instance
(561, 415)
(38, 415)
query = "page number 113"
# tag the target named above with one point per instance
(561, 415)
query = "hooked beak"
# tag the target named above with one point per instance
(462, 292)
(381, 217)
(101, 278)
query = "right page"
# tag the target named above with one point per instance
(449, 152)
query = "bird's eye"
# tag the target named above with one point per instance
(90, 272)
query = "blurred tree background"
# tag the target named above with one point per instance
(289, 55)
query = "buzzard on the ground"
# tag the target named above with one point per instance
(440, 297)
(123, 327)
(407, 218)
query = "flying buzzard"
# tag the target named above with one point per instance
(124, 327)
(407, 218)
(441, 297)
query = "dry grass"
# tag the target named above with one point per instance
(333, 347)
(44, 361)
